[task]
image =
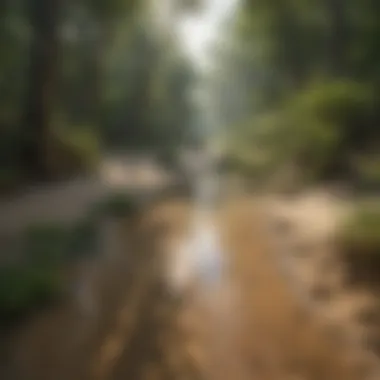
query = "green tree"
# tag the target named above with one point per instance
(312, 68)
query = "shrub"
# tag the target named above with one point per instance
(315, 130)
(84, 236)
(23, 289)
(46, 244)
(73, 151)
(29, 285)
(360, 242)
(119, 204)
(362, 230)
(57, 244)
(368, 172)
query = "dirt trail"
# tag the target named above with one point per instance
(283, 340)
(251, 326)
(255, 324)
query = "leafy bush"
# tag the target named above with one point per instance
(26, 288)
(368, 172)
(46, 244)
(313, 130)
(84, 237)
(119, 204)
(73, 151)
(57, 244)
(361, 233)
(336, 102)
(360, 242)
(28, 285)
(315, 126)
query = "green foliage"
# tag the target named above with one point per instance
(310, 130)
(190, 6)
(53, 245)
(359, 240)
(313, 77)
(362, 231)
(46, 244)
(109, 10)
(24, 289)
(335, 102)
(35, 282)
(119, 205)
(96, 62)
(315, 124)
(84, 237)
(367, 170)
(248, 159)
(73, 151)
(27, 285)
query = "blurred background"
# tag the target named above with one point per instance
(189, 189)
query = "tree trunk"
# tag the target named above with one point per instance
(338, 37)
(148, 58)
(44, 17)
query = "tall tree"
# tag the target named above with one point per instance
(107, 15)
(44, 19)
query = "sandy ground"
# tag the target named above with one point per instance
(303, 233)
